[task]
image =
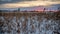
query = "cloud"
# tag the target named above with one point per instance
(29, 3)
(12, 1)
(47, 0)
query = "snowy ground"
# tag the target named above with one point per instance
(29, 25)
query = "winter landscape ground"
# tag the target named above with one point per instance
(30, 22)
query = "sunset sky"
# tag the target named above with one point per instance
(26, 3)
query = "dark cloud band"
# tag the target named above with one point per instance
(12, 1)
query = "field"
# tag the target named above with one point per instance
(30, 22)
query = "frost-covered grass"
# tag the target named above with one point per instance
(36, 24)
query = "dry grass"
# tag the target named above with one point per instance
(37, 16)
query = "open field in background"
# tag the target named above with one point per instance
(30, 22)
(26, 14)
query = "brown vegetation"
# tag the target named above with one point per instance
(31, 15)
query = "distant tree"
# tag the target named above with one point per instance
(44, 9)
(58, 8)
(0, 10)
(18, 9)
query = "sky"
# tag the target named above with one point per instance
(26, 3)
